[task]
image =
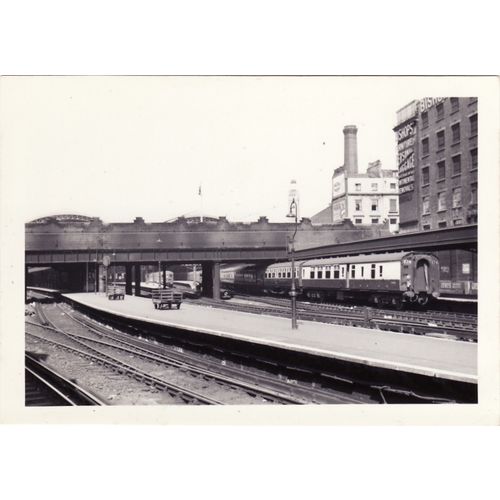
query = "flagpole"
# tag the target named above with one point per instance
(201, 203)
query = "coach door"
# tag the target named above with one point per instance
(421, 283)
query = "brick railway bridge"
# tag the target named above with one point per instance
(79, 245)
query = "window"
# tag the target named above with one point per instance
(442, 224)
(393, 185)
(425, 176)
(336, 272)
(380, 270)
(457, 222)
(375, 221)
(426, 227)
(288, 274)
(357, 186)
(473, 194)
(393, 221)
(457, 197)
(358, 203)
(311, 274)
(353, 271)
(441, 170)
(442, 200)
(320, 274)
(425, 205)
(454, 104)
(327, 274)
(455, 133)
(372, 272)
(473, 125)
(457, 165)
(362, 271)
(440, 139)
(374, 186)
(425, 119)
(374, 205)
(473, 159)
(358, 221)
(425, 146)
(440, 111)
(393, 205)
(343, 271)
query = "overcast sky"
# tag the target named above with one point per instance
(121, 147)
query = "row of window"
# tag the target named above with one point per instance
(439, 114)
(284, 273)
(376, 220)
(456, 199)
(374, 186)
(456, 167)
(393, 204)
(455, 135)
(335, 272)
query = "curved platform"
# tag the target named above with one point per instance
(428, 356)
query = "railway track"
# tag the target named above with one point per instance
(458, 326)
(288, 391)
(45, 387)
(273, 391)
(79, 346)
(312, 386)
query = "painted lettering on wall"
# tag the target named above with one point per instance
(405, 138)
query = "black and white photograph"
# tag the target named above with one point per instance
(248, 241)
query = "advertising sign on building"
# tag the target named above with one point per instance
(339, 210)
(338, 185)
(405, 137)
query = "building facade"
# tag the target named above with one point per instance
(366, 199)
(437, 156)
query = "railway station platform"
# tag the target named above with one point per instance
(428, 356)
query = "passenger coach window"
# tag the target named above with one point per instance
(373, 271)
(320, 275)
(288, 274)
(380, 270)
(312, 274)
(336, 272)
(362, 271)
(353, 271)
(327, 274)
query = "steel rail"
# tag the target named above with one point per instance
(234, 379)
(70, 393)
(137, 374)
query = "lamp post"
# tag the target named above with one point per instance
(291, 249)
(159, 268)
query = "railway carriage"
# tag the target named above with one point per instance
(385, 279)
(390, 279)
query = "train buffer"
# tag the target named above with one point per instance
(163, 298)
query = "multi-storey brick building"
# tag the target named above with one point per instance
(370, 198)
(438, 158)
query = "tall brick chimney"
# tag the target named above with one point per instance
(350, 150)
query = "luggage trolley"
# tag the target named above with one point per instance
(164, 298)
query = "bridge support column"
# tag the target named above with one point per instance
(102, 278)
(216, 280)
(211, 279)
(207, 279)
(137, 279)
(128, 279)
(25, 283)
(163, 275)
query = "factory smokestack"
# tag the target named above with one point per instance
(350, 150)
